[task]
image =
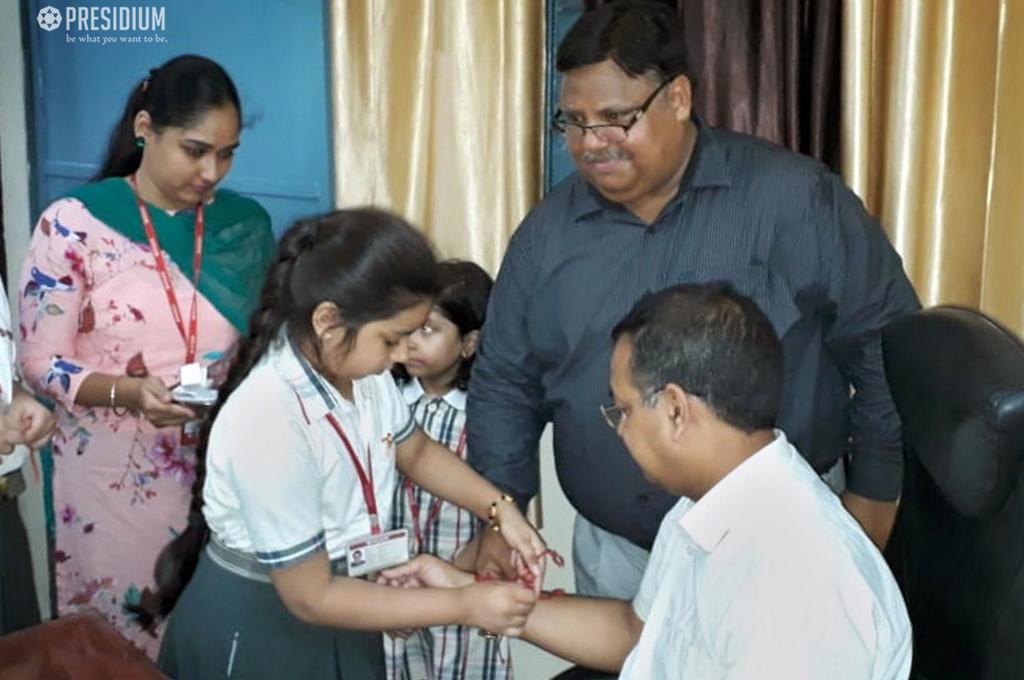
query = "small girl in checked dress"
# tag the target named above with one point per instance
(434, 382)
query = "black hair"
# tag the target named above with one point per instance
(464, 290)
(369, 263)
(176, 94)
(642, 37)
(713, 343)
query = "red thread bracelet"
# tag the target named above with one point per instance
(528, 581)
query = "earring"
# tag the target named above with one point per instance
(140, 142)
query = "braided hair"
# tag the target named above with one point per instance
(371, 265)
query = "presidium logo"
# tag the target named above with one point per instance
(49, 18)
(102, 18)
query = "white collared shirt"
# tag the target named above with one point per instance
(412, 392)
(438, 527)
(17, 458)
(280, 484)
(767, 577)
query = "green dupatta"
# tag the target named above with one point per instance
(238, 244)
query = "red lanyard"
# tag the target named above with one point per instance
(365, 475)
(191, 337)
(420, 530)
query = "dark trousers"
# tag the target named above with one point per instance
(18, 605)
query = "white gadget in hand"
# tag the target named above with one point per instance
(194, 388)
(194, 396)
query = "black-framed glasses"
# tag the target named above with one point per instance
(612, 133)
(614, 414)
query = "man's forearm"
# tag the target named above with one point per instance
(593, 632)
(875, 517)
(502, 447)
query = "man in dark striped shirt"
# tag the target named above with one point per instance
(660, 198)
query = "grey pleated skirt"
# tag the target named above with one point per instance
(228, 625)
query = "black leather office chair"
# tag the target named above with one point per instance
(957, 549)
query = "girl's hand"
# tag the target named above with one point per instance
(150, 397)
(528, 547)
(497, 607)
(425, 571)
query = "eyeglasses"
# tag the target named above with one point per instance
(615, 415)
(611, 133)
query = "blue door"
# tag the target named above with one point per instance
(561, 15)
(274, 50)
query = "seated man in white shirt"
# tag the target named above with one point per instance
(757, 572)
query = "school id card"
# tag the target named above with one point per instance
(375, 552)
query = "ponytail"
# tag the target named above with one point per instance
(176, 94)
(123, 155)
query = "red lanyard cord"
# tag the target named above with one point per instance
(420, 530)
(190, 337)
(365, 475)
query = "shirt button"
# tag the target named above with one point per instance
(643, 498)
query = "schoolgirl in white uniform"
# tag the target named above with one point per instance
(298, 471)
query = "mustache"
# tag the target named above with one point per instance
(602, 155)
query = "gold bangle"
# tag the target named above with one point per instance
(492, 512)
(113, 391)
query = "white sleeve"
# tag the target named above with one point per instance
(277, 481)
(402, 422)
(7, 359)
(660, 561)
(784, 621)
(16, 458)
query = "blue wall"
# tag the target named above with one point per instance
(276, 53)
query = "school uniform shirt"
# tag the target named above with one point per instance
(444, 528)
(767, 577)
(441, 652)
(280, 482)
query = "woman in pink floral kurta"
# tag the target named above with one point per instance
(93, 309)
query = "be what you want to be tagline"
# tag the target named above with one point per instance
(116, 24)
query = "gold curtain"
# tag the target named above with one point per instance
(437, 115)
(933, 141)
